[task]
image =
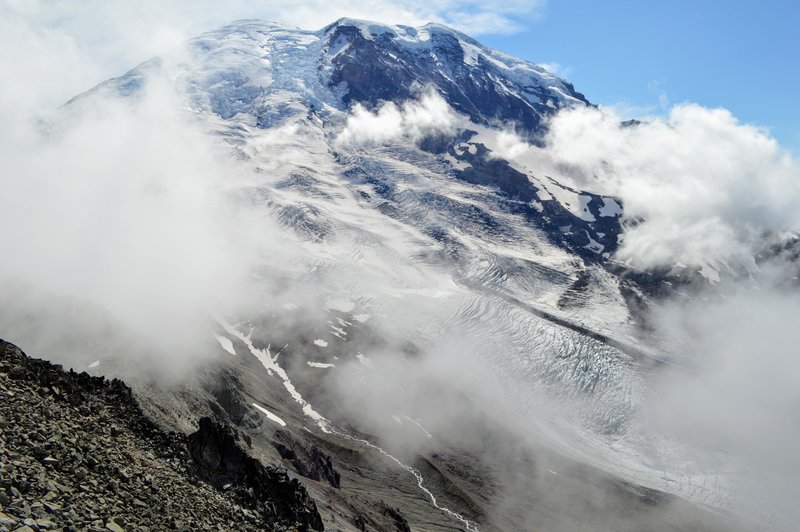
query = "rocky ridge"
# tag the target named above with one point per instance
(77, 453)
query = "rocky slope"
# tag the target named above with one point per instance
(78, 454)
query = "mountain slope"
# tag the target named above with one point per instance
(78, 453)
(439, 335)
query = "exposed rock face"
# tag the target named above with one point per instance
(77, 453)
(311, 463)
(222, 461)
(562, 227)
(400, 522)
(380, 63)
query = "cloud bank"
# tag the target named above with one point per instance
(700, 187)
(126, 204)
(737, 398)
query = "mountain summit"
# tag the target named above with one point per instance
(242, 66)
(374, 62)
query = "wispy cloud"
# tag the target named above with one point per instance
(126, 205)
(557, 69)
(657, 87)
(656, 108)
(738, 397)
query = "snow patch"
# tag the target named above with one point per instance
(593, 244)
(456, 163)
(583, 208)
(271, 365)
(320, 365)
(270, 415)
(225, 343)
(610, 208)
(710, 273)
(320, 343)
(338, 332)
(417, 423)
(463, 147)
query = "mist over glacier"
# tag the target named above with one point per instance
(165, 215)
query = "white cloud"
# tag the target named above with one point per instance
(737, 399)
(657, 87)
(125, 206)
(707, 186)
(556, 69)
(412, 119)
(509, 145)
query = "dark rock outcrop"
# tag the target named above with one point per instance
(394, 514)
(592, 237)
(311, 463)
(382, 68)
(222, 461)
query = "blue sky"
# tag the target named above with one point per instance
(744, 56)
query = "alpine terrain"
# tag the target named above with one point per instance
(423, 332)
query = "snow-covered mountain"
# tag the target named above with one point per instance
(416, 242)
(252, 76)
(244, 67)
